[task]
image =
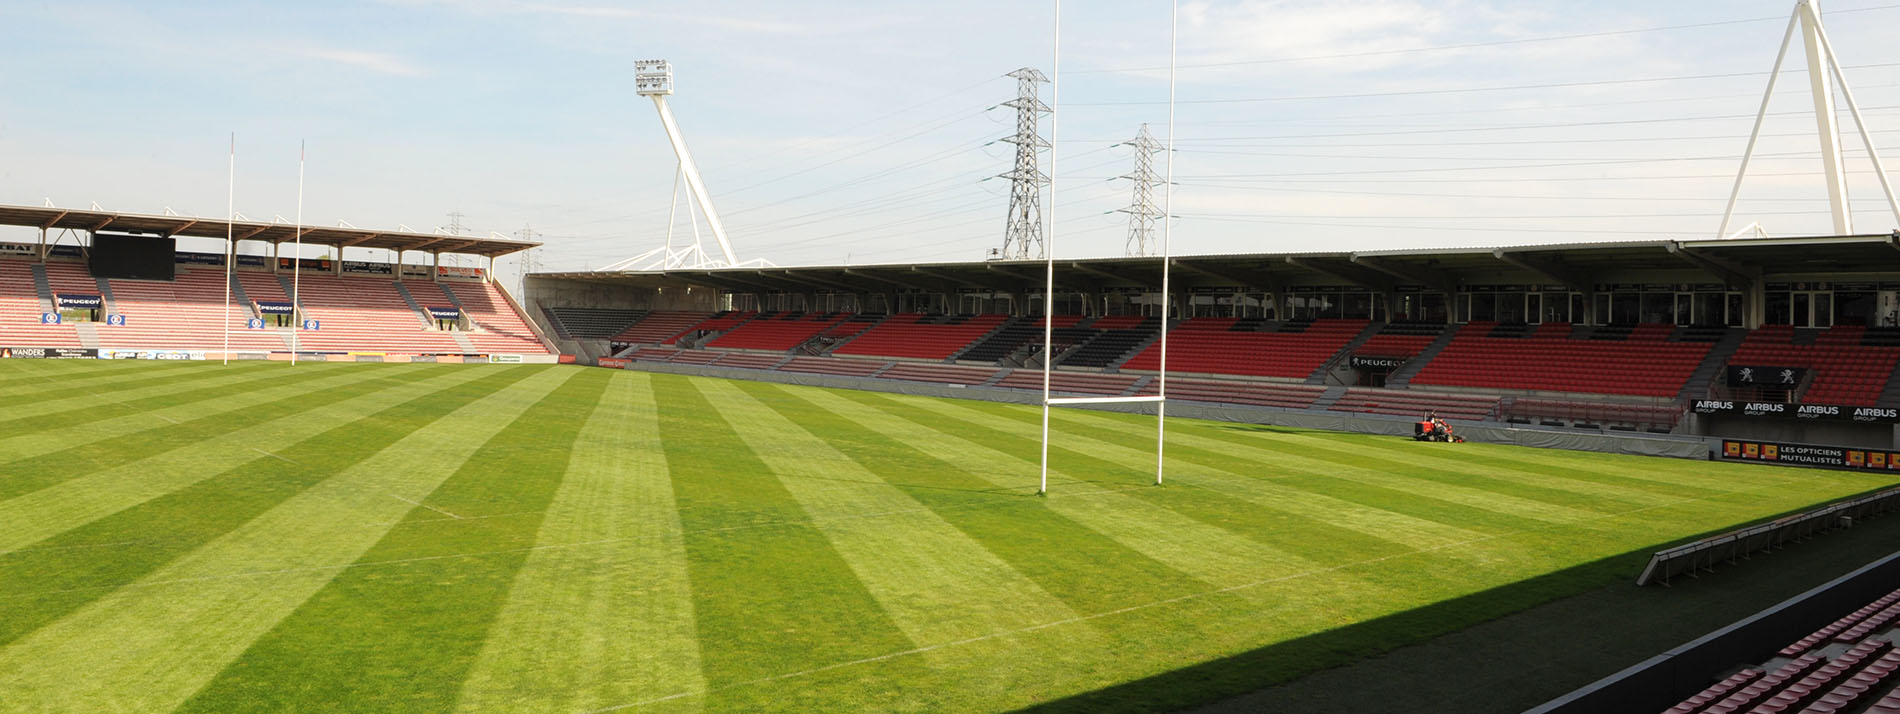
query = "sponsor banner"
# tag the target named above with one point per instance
(504, 359)
(324, 264)
(65, 251)
(183, 258)
(1828, 412)
(47, 353)
(358, 266)
(1374, 362)
(151, 354)
(255, 323)
(1740, 375)
(78, 301)
(415, 271)
(615, 362)
(445, 313)
(422, 358)
(312, 325)
(115, 321)
(456, 271)
(260, 262)
(49, 318)
(247, 355)
(18, 249)
(275, 308)
(1833, 457)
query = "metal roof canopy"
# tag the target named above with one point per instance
(190, 226)
(1579, 266)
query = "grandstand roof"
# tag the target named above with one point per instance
(191, 226)
(1736, 262)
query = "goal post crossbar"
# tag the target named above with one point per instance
(1060, 401)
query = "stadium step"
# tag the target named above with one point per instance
(88, 334)
(421, 314)
(462, 339)
(243, 298)
(1717, 358)
(1116, 364)
(45, 288)
(1328, 398)
(1403, 375)
(105, 295)
(1319, 375)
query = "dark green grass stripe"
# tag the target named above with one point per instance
(1289, 532)
(402, 639)
(84, 564)
(105, 405)
(1658, 487)
(21, 385)
(767, 600)
(1448, 513)
(31, 474)
(1356, 453)
(1088, 571)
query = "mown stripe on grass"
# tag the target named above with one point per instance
(770, 593)
(136, 399)
(25, 476)
(403, 638)
(99, 399)
(1213, 555)
(1087, 570)
(44, 582)
(935, 582)
(586, 628)
(60, 377)
(174, 630)
(1368, 467)
(113, 430)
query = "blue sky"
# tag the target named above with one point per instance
(863, 131)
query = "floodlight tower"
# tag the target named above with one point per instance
(654, 78)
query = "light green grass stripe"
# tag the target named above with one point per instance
(107, 400)
(936, 583)
(33, 386)
(1209, 554)
(41, 514)
(30, 445)
(150, 645)
(1379, 522)
(585, 628)
(84, 394)
(1463, 495)
(28, 376)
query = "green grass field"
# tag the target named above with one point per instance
(421, 538)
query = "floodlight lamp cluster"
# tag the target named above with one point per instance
(652, 77)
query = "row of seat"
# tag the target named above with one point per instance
(1813, 681)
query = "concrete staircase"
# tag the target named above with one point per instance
(1319, 375)
(1713, 363)
(1403, 377)
(421, 314)
(44, 287)
(110, 304)
(88, 334)
(1328, 398)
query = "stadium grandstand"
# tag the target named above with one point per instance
(1636, 337)
(115, 284)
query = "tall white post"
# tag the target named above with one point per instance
(296, 266)
(1049, 247)
(1167, 252)
(230, 247)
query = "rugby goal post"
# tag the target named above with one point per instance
(1160, 397)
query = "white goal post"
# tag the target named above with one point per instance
(1160, 397)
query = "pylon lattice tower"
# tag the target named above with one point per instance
(1022, 238)
(1142, 211)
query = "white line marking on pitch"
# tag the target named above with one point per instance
(274, 456)
(425, 505)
